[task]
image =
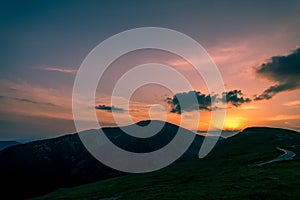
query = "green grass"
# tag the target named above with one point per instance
(224, 174)
(193, 180)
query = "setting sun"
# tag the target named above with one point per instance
(233, 123)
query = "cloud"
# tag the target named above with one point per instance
(235, 97)
(284, 117)
(62, 70)
(292, 103)
(284, 70)
(35, 101)
(27, 100)
(204, 102)
(109, 108)
(249, 107)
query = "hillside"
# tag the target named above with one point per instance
(227, 173)
(6, 144)
(39, 167)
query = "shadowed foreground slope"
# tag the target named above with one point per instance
(39, 167)
(224, 174)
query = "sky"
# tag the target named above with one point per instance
(255, 45)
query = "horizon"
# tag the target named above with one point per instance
(254, 45)
(198, 132)
(224, 133)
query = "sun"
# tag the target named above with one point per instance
(233, 123)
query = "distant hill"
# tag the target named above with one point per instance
(226, 173)
(39, 167)
(5, 144)
(258, 143)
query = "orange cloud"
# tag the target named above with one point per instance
(284, 117)
(25, 99)
(62, 70)
(292, 103)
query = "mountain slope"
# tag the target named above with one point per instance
(6, 144)
(258, 143)
(224, 174)
(40, 167)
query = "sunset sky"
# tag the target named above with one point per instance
(255, 44)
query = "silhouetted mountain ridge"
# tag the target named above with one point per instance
(230, 171)
(266, 129)
(42, 166)
(6, 144)
(39, 167)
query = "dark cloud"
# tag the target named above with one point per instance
(235, 97)
(204, 102)
(109, 108)
(33, 102)
(284, 70)
(27, 100)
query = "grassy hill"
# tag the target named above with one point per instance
(39, 167)
(224, 174)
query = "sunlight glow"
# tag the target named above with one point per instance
(233, 123)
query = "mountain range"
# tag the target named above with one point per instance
(39, 167)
